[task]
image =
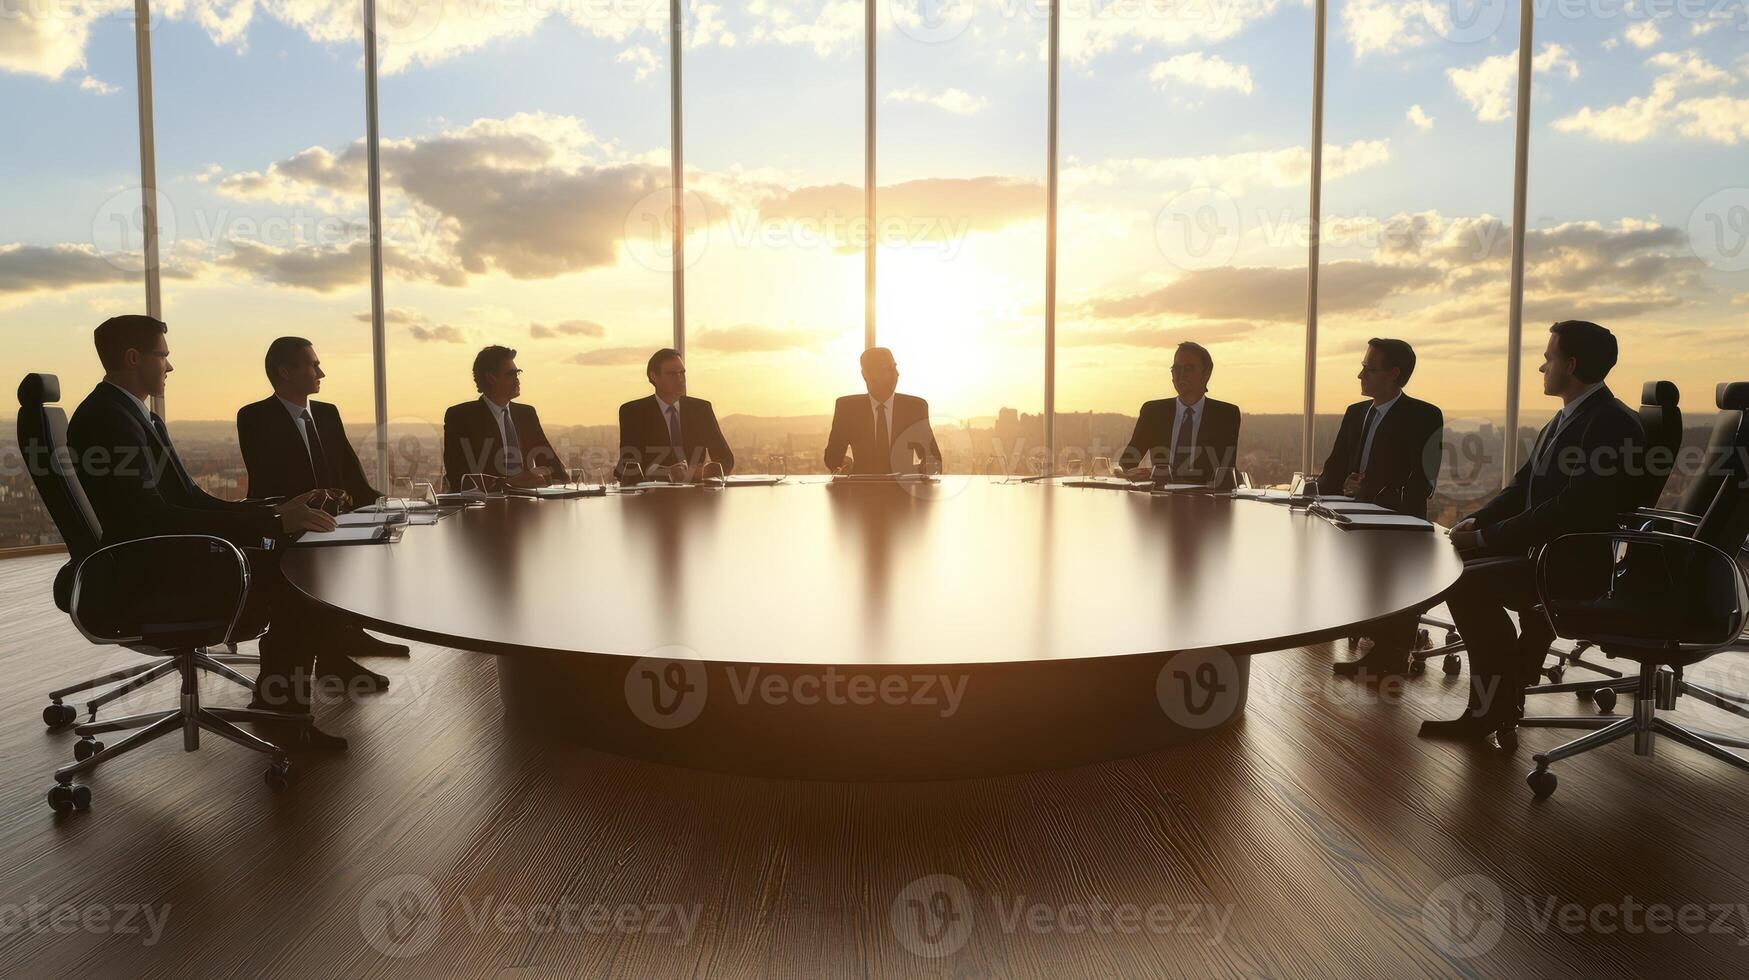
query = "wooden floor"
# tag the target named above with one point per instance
(1318, 837)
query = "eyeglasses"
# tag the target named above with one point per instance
(1178, 369)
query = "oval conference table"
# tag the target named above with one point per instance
(878, 631)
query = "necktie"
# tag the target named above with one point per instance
(318, 456)
(169, 456)
(883, 439)
(1539, 457)
(512, 445)
(1359, 460)
(674, 434)
(1182, 449)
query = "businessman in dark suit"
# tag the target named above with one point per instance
(884, 431)
(493, 434)
(138, 488)
(1587, 466)
(291, 445)
(670, 433)
(1387, 452)
(1193, 434)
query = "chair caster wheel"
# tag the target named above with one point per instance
(1542, 783)
(1353, 642)
(1423, 639)
(1584, 694)
(1507, 738)
(1452, 664)
(59, 715)
(1605, 700)
(85, 748)
(1555, 673)
(278, 776)
(1417, 667)
(1451, 636)
(64, 798)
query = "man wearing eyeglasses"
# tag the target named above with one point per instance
(884, 431)
(1197, 436)
(669, 434)
(1387, 452)
(495, 436)
(293, 444)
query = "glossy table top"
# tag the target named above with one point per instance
(968, 571)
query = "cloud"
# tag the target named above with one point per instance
(1391, 26)
(953, 100)
(1095, 29)
(1204, 333)
(442, 333)
(1268, 293)
(51, 268)
(1642, 35)
(642, 58)
(49, 40)
(324, 269)
(752, 337)
(941, 206)
(605, 356)
(1235, 173)
(566, 328)
(97, 85)
(1420, 118)
(1490, 86)
(1198, 70)
(1719, 118)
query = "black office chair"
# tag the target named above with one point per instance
(1661, 417)
(42, 440)
(1665, 600)
(99, 588)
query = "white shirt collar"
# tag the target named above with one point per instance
(496, 410)
(1197, 407)
(295, 409)
(1380, 408)
(888, 404)
(663, 406)
(145, 410)
(1568, 409)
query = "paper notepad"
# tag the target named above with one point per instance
(1392, 522)
(370, 518)
(346, 535)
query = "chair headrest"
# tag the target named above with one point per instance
(1660, 393)
(1733, 396)
(40, 389)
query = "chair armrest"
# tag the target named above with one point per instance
(107, 605)
(1685, 571)
(1654, 514)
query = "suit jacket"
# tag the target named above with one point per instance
(279, 465)
(1217, 438)
(137, 484)
(1403, 467)
(912, 441)
(1592, 473)
(643, 435)
(473, 443)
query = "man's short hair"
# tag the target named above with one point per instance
(1201, 352)
(660, 358)
(117, 335)
(283, 353)
(1398, 354)
(1592, 348)
(488, 361)
(883, 353)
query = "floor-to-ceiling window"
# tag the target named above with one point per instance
(1417, 211)
(525, 188)
(1186, 161)
(71, 239)
(1639, 199)
(960, 146)
(773, 114)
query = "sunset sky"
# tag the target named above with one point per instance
(526, 161)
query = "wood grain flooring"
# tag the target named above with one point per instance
(1318, 837)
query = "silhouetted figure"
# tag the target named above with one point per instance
(1387, 452)
(493, 434)
(884, 431)
(1195, 435)
(670, 433)
(1587, 466)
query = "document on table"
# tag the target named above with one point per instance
(369, 518)
(1392, 522)
(367, 534)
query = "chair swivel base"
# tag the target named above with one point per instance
(1654, 690)
(190, 719)
(58, 715)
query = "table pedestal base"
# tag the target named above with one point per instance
(861, 722)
